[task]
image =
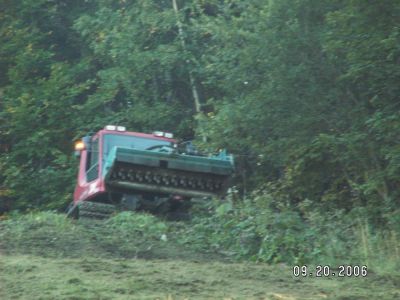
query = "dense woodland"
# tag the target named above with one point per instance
(304, 93)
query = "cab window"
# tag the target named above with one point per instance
(92, 165)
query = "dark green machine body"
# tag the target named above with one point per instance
(165, 171)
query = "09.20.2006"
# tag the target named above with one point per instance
(328, 271)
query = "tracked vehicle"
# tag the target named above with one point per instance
(124, 170)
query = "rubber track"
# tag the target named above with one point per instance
(94, 210)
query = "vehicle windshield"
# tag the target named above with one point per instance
(127, 141)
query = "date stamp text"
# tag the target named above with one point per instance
(328, 271)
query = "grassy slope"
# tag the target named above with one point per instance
(48, 257)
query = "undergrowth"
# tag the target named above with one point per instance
(260, 229)
(256, 229)
(50, 234)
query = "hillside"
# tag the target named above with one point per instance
(45, 256)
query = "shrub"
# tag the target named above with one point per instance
(268, 229)
(133, 223)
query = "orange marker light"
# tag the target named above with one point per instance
(79, 146)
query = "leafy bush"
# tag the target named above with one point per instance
(223, 229)
(131, 223)
(269, 229)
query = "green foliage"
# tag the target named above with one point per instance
(129, 223)
(304, 93)
(38, 232)
(53, 235)
(23, 222)
(268, 229)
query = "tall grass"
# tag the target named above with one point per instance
(256, 230)
(379, 250)
(243, 231)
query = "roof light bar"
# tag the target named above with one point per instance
(168, 135)
(113, 128)
(158, 133)
(110, 127)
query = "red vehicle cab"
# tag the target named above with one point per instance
(93, 151)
